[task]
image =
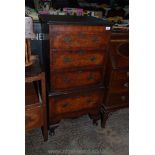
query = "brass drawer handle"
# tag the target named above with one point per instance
(89, 101)
(94, 38)
(67, 60)
(126, 84)
(123, 98)
(80, 72)
(65, 105)
(93, 59)
(67, 39)
(90, 77)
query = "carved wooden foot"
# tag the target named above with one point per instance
(95, 122)
(95, 118)
(52, 130)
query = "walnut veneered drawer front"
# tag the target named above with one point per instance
(72, 38)
(73, 103)
(33, 117)
(60, 59)
(117, 99)
(75, 41)
(76, 79)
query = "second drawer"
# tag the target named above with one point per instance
(76, 79)
(62, 59)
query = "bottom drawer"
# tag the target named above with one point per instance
(71, 103)
(116, 100)
(33, 116)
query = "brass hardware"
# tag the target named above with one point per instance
(67, 39)
(94, 39)
(90, 101)
(90, 77)
(65, 105)
(93, 58)
(67, 60)
(79, 72)
(126, 84)
(123, 98)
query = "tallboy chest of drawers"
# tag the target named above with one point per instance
(75, 64)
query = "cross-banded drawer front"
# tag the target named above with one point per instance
(75, 79)
(78, 37)
(78, 58)
(77, 41)
(73, 103)
(33, 117)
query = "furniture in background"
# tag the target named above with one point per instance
(28, 35)
(75, 59)
(35, 99)
(116, 76)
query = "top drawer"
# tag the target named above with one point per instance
(77, 37)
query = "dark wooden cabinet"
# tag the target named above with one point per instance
(116, 76)
(76, 79)
(75, 66)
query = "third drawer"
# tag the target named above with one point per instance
(76, 79)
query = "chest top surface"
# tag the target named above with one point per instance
(74, 20)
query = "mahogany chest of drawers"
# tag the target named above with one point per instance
(116, 76)
(75, 66)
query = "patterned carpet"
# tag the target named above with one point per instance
(80, 137)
